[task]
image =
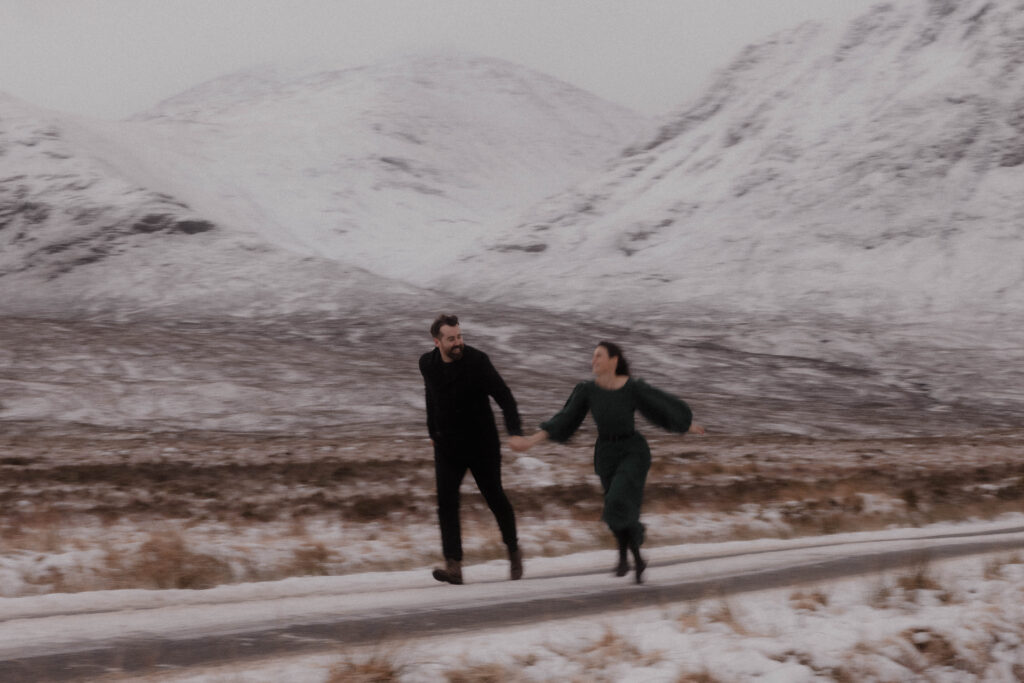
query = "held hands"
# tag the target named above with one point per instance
(519, 444)
(695, 429)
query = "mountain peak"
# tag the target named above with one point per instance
(460, 76)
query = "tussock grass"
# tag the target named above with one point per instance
(311, 559)
(880, 593)
(602, 653)
(934, 649)
(384, 662)
(703, 676)
(994, 567)
(38, 530)
(919, 578)
(375, 668)
(810, 600)
(922, 579)
(908, 588)
(699, 615)
(722, 613)
(133, 484)
(167, 561)
(482, 673)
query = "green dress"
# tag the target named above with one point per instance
(621, 455)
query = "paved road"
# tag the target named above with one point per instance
(536, 598)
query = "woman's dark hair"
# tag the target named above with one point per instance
(615, 351)
(443, 319)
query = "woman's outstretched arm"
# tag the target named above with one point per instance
(665, 410)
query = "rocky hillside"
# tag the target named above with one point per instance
(871, 170)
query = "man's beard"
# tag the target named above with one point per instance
(455, 352)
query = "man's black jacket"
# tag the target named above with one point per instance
(458, 403)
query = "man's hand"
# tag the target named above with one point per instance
(695, 429)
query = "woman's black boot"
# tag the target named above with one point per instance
(623, 567)
(639, 562)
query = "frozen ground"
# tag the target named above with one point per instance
(936, 620)
(163, 454)
(142, 457)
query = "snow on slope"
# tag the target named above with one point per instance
(84, 232)
(61, 209)
(397, 166)
(874, 170)
(280, 189)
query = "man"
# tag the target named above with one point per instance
(459, 382)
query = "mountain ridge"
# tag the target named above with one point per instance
(869, 171)
(388, 168)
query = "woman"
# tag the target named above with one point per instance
(621, 454)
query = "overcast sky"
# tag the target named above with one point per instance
(113, 58)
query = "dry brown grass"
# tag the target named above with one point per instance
(311, 559)
(702, 676)
(482, 673)
(908, 588)
(165, 560)
(919, 578)
(374, 668)
(926, 653)
(993, 569)
(880, 593)
(722, 613)
(611, 647)
(114, 479)
(932, 650)
(40, 530)
(699, 614)
(809, 600)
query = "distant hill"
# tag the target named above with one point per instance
(274, 175)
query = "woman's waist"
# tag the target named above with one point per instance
(612, 437)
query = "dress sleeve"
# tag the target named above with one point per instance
(565, 423)
(662, 409)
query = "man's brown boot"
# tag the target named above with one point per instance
(515, 558)
(450, 573)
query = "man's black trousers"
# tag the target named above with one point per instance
(451, 460)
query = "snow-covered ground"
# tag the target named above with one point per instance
(950, 620)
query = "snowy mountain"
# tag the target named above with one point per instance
(60, 208)
(284, 184)
(80, 234)
(398, 166)
(871, 170)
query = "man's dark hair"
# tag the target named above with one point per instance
(443, 319)
(615, 351)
